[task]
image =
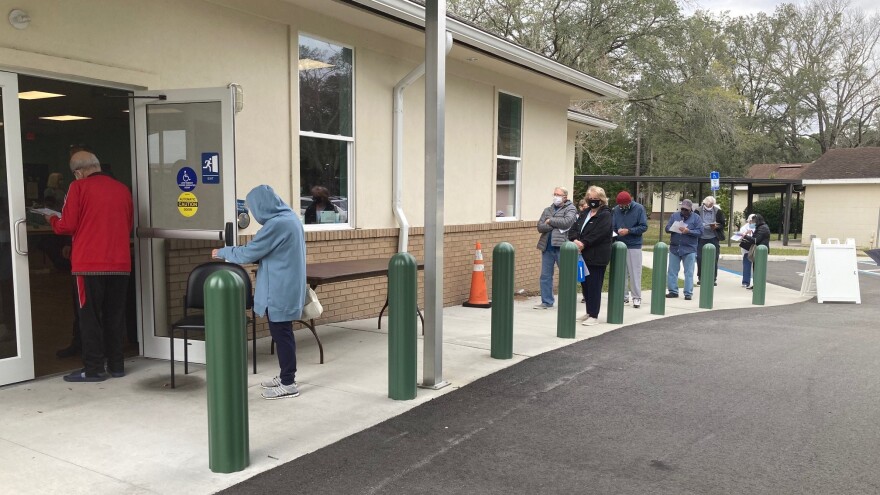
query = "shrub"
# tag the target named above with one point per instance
(772, 213)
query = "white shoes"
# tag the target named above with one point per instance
(637, 302)
(583, 317)
(590, 321)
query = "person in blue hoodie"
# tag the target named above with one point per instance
(629, 221)
(683, 240)
(280, 249)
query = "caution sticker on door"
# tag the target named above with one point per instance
(187, 204)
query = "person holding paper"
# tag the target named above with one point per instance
(592, 235)
(714, 224)
(280, 249)
(553, 225)
(320, 207)
(748, 229)
(98, 213)
(629, 221)
(685, 230)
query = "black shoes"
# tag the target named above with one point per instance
(687, 297)
(671, 295)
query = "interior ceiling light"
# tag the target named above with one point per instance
(37, 95)
(65, 118)
(309, 64)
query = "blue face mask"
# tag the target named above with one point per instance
(751, 226)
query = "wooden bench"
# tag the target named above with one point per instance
(332, 272)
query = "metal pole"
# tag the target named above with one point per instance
(616, 283)
(662, 208)
(759, 282)
(707, 268)
(730, 217)
(658, 279)
(402, 327)
(502, 301)
(226, 353)
(435, 124)
(565, 317)
(786, 223)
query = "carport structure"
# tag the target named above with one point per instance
(755, 186)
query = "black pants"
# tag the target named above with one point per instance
(592, 288)
(102, 321)
(700, 245)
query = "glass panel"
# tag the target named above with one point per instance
(509, 125)
(8, 335)
(323, 166)
(324, 87)
(505, 188)
(185, 193)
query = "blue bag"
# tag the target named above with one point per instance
(582, 270)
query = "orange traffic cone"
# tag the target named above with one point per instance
(479, 297)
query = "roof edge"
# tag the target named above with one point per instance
(591, 121)
(415, 14)
(871, 180)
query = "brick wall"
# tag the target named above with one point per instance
(364, 298)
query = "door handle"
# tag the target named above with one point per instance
(18, 237)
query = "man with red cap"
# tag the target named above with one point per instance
(629, 221)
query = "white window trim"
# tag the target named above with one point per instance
(518, 159)
(352, 200)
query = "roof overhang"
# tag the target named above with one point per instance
(817, 182)
(414, 14)
(586, 122)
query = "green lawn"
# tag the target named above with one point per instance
(651, 237)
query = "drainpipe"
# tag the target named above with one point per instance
(397, 149)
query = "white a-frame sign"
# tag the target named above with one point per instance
(832, 272)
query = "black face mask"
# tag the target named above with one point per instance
(594, 203)
(685, 213)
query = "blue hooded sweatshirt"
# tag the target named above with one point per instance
(280, 249)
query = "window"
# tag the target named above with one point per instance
(508, 156)
(326, 139)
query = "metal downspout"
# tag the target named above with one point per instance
(397, 149)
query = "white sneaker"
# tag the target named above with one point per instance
(590, 321)
(637, 302)
(273, 382)
(583, 317)
(542, 306)
(280, 392)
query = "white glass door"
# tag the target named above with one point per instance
(16, 336)
(185, 168)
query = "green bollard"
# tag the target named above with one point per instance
(759, 282)
(502, 301)
(226, 353)
(707, 268)
(616, 283)
(402, 327)
(565, 317)
(658, 279)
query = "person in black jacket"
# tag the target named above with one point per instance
(714, 224)
(761, 236)
(592, 235)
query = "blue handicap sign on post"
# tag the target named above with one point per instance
(210, 168)
(715, 180)
(186, 179)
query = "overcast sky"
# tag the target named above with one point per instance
(745, 7)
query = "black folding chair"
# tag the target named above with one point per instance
(195, 299)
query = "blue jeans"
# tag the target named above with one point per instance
(549, 258)
(688, 260)
(747, 270)
(285, 346)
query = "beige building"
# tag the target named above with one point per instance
(844, 187)
(193, 102)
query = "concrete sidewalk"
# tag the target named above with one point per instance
(135, 435)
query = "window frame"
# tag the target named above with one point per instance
(350, 223)
(517, 213)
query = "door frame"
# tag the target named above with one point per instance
(20, 367)
(153, 346)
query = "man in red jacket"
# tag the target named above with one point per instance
(98, 214)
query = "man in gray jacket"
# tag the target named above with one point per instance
(553, 226)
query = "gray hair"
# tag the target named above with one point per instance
(709, 199)
(84, 160)
(564, 190)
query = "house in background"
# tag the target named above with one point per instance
(195, 102)
(844, 187)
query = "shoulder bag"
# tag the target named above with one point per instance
(312, 308)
